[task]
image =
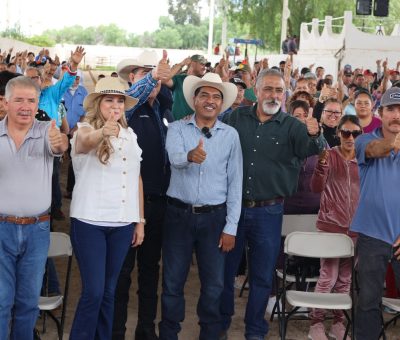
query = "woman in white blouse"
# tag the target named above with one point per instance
(107, 204)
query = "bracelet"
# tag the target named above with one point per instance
(142, 220)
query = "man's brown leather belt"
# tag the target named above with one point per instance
(24, 220)
(258, 204)
(194, 209)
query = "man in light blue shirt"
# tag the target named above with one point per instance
(204, 204)
(377, 219)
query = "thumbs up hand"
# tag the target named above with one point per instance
(163, 70)
(58, 141)
(197, 155)
(111, 127)
(54, 134)
(312, 125)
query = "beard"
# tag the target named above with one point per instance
(271, 107)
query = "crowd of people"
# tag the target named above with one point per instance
(188, 158)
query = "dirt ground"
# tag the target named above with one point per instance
(190, 328)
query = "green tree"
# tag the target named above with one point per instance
(184, 11)
(167, 38)
(263, 17)
(147, 40)
(14, 32)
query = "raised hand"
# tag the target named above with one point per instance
(325, 93)
(76, 57)
(197, 155)
(312, 125)
(55, 137)
(163, 70)
(323, 157)
(111, 127)
(396, 143)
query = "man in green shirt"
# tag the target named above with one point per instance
(196, 67)
(274, 145)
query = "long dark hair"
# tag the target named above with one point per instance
(348, 118)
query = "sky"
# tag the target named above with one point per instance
(135, 16)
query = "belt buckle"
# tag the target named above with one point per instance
(194, 209)
(250, 204)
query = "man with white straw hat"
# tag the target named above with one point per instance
(151, 71)
(203, 204)
(147, 120)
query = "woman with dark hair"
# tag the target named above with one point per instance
(304, 201)
(363, 104)
(336, 178)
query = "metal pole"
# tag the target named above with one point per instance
(285, 16)
(211, 28)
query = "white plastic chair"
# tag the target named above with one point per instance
(393, 304)
(60, 246)
(318, 245)
(290, 223)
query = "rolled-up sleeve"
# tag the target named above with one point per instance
(175, 146)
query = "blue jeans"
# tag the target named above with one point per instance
(100, 252)
(23, 254)
(183, 232)
(373, 258)
(261, 228)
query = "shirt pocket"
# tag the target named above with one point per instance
(275, 147)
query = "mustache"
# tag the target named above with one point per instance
(272, 102)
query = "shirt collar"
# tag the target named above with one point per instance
(280, 116)
(33, 132)
(217, 125)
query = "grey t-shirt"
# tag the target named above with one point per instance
(25, 174)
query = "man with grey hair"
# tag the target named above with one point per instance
(274, 146)
(312, 83)
(27, 149)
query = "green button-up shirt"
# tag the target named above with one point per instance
(273, 152)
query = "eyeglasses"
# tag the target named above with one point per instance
(347, 133)
(336, 113)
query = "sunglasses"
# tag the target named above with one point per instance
(347, 133)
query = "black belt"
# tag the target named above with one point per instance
(194, 209)
(258, 204)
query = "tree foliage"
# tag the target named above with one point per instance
(263, 17)
(183, 29)
(184, 11)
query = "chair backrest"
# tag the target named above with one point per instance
(60, 245)
(319, 244)
(298, 223)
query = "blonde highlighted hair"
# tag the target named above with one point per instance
(96, 119)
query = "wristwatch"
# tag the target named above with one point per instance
(142, 220)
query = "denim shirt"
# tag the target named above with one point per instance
(218, 179)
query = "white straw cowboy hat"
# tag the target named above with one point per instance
(192, 83)
(109, 85)
(146, 59)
